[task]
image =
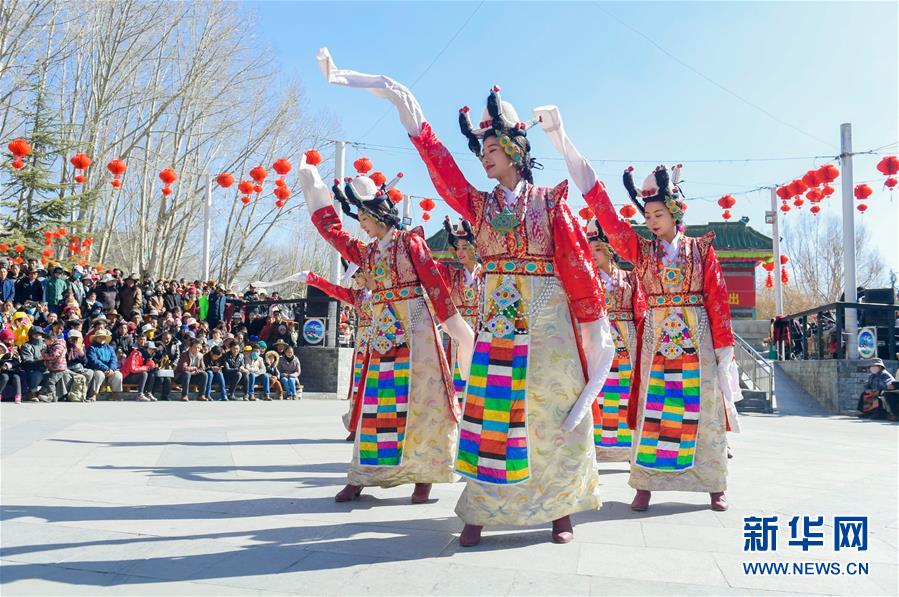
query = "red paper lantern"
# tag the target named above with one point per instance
(17, 164)
(890, 183)
(19, 147)
(4, 248)
(862, 191)
(829, 173)
(245, 187)
(81, 161)
(427, 204)
(784, 260)
(224, 180)
(827, 190)
(48, 241)
(245, 200)
(165, 191)
(784, 277)
(812, 178)
(168, 176)
(18, 259)
(279, 203)
(117, 167)
(19, 248)
(814, 195)
(426, 216)
(727, 201)
(257, 188)
(395, 195)
(785, 207)
(258, 174)
(726, 215)
(79, 178)
(281, 166)
(798, 202)
(628, 211)
(313, 158)
(47, 252)
(280, 182)
(862, 207)
(378, 178)
(889, 165)
(797, 187)
(363, 165)
(116, 183)
(586, 213)
(768, 266)
(815, 209)
(783, 192)
(282, 193)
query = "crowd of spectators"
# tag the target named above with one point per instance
(83, 335)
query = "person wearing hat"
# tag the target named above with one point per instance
(29, 288)
(256, 371)
(131, 297)
(107, 292)
(191, 369)
(872, 403)
(33, 365)
(102, 357)
(166, 357)
(687, 364)
(76, 284)
(76, 358)
(538, 281)
(20, 326)
(139, 367)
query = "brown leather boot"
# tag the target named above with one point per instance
(563, 531)
(641, 501)
(421, 493)
(348, 493)
(719, 502)
(471, 535)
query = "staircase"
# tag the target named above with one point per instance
(756, 379)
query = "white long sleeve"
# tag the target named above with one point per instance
(580, 170)
(599, 350)
(729, 384)
(396, 93)
(314, 190)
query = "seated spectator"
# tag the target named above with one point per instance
(77, 361)
(9, 368)
(138, 367)
(255, 371)
(271, 368)
(191, 369)
(871, 404)
(33, 362)
(215, 363)
(20, 325)
(289, 369)
(101, 357)
(233, 369)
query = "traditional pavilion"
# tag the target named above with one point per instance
(740, 249)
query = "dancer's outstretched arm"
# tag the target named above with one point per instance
(621, 236)
(448, 179)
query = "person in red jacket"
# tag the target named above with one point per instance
(137, 368)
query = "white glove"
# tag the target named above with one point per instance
(314, 189)
(301, 277)
(461, 333)
(729, 384)
(579, 168)
(599, 351)
(397, 94)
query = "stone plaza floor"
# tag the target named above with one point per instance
(237, 499)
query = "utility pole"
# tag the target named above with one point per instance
(775, 238)
(207, 226)
(849, 289)
(336, 266)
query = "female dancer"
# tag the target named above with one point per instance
(525, 449)
(409, 413)
(626, 305)
(689, 380)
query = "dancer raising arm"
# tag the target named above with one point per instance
(526, 446)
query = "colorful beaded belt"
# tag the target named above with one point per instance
(399, 293)
(526, 267)
(692, 299)
(621, 316)
(468, 311)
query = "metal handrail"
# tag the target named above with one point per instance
(758, 369)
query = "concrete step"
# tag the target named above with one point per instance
(754, 402)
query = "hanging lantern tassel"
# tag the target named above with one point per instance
(890, 183)
(769, 281)
(784, 276)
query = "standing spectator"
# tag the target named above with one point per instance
(255, 372)
(138, 367)
(289, 369)
(190, 368)
(107, 293)
(172, 298)
(77, 361)
(130, 296)
(7, 285)
(216, 312)
(154, 298)
(233, 368)
(76, 284)
(101, 357)
(33, 362)
(9, 369)
(54, 288)
(215, 363)
(29, 288)
(56, 382)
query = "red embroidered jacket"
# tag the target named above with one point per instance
(703, 272)
(350, 296)
(549, 231)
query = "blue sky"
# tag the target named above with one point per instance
(806, 67)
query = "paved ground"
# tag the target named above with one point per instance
(236, 499)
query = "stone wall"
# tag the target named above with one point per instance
(835, 384)
(325, 370)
